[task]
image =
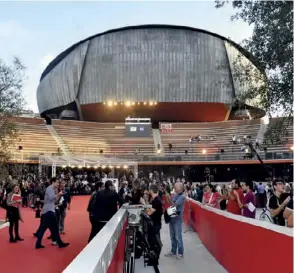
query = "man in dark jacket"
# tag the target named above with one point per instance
(98, 187)
(106, 205)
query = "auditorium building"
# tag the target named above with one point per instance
(163, 72)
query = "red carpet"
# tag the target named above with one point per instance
(22, 257)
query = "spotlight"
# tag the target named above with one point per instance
(128, 103)
(103, 167)
(151, 103)
(63, 166)
(138, 103)
(292, 148)
(118, 167)
(115, 103)
(204, 151)
(155, 103)
(125, 166)
(133, 103)
(158, 151)
(95, 167)
(144, 102)
(80, 166)
(104, 103)
(110, 167)
(88, 166)
(110, 103)
(121, 103)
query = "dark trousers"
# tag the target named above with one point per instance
(25, 201)
(48, 220)
(96, 227)
(39, 228)
(13, 218)
(157, 234)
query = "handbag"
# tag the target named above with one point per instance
(166, 217)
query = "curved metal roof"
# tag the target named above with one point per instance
(63, 54)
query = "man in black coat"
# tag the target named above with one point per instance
(106, 205)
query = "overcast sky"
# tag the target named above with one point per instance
(38, 31)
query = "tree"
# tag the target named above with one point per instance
(272, 46)
(11, 104)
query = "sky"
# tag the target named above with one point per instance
(38, 31)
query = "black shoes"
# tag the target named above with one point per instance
(19, 239)
(39, 246)
(12, 240)
(63, 245)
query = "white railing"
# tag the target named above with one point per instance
(97, 255)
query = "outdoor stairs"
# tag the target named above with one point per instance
(157, 140)
(62, 146)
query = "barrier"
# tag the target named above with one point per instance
(241, 244)
(105, 253)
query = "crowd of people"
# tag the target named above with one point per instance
(242, 198)
(52, 198)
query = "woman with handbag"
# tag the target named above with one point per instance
(14, 202)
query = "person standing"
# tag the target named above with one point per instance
(276, 203)
(49, 217)
(105, 206)
(175, 225)
(98, 187)
(261, 195)
(235, 198)
(155, 212)
(63, 204)
(13, 213)
(211, 197)
(249, 200)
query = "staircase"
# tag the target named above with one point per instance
(157, 140)
(63, 147)
(261, 131)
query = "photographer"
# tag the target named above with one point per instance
(155, 212)
(175, 225)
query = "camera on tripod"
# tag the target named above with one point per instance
(141, 239)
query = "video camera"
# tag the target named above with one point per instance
(141, 239)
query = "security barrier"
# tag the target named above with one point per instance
(241, 244)
(105, 253)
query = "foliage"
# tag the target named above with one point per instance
(271, 45)
(11, 104)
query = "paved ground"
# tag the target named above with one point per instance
(196, 259)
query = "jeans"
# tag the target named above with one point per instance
(175, 230)
(49, 220)
(61, 219)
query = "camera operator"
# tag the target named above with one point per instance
(155, 212)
